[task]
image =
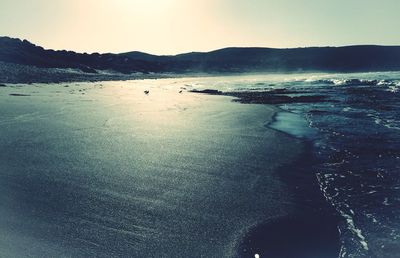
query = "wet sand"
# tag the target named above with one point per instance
(104, 170)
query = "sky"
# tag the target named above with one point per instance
(179, 26)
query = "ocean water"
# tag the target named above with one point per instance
(355, 131)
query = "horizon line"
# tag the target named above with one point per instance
(209, 51)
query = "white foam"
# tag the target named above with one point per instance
(386, 201)
(339, 82)
(351, 226)
(349, 219)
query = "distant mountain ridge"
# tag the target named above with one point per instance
(360, 58)
(23, 52)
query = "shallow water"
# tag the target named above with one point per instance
(357, 144)
(293, 124)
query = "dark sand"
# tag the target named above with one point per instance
(309, 231)
(103, 170)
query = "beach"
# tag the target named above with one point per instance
(106, 170)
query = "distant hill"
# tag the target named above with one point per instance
(228, 60)
(23, 52)
(337, 59)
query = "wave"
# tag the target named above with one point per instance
(357, 82)
(388, 123)
(347, 213)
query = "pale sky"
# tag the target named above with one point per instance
(177, 26)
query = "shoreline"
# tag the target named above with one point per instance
(200, 172)
(13, 73)
(311, 230)
(314, 217)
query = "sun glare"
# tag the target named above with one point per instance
(147, 5)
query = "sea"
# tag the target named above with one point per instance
(353, 124)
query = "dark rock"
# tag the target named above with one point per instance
(207, 91)
(19, 95)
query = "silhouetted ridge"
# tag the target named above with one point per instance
(230, 60)
(26, 53)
